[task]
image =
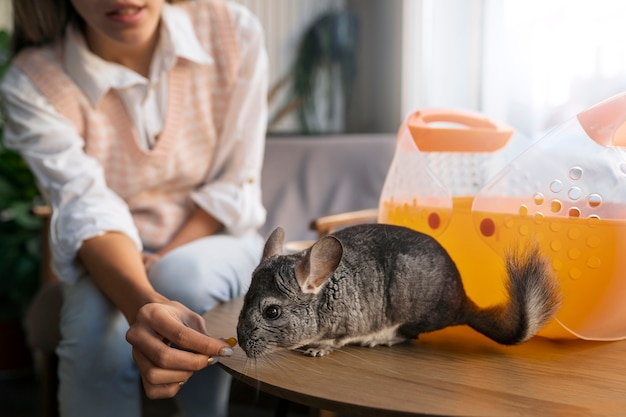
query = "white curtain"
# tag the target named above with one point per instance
(532, 64)
(547, 60)
(441, 54)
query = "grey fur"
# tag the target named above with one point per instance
(380, 284)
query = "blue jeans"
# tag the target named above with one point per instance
(96, 371)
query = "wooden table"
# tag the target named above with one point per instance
(452, 372)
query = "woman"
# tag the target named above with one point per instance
(144, 124)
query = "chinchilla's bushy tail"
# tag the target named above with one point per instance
(534, 299)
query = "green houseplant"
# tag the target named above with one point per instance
(19, 228)
(323, 71)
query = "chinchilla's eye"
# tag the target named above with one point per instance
(272, 312)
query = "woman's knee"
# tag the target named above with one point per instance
(178, 276)
(206, 272)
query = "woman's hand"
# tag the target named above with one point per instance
(156, 323)
(170, 343)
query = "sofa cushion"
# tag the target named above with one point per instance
(305, 177)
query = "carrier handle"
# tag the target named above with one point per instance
(605, 122)
(458, 131)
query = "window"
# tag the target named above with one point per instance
(532, 64)
(561, 57)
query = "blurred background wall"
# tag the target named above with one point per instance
(530, 64)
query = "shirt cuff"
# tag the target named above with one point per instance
(68, 232)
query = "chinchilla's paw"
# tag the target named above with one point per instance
(317, 351)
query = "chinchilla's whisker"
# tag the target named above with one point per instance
(266, 361)
(362, 359)
(251, 370)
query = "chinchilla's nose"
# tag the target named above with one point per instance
(242, 337)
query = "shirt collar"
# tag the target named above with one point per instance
(96, 76)
(182, 39)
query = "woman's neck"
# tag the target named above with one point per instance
(135, 57)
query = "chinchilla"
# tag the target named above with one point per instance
(377, 284)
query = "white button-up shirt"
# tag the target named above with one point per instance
(32, 120)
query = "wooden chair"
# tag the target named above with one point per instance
(326, 225)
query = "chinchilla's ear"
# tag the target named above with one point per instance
(274, 243)
(318, 264)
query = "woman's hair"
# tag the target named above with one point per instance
(38, 22)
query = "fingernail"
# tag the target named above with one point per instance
(212, 360)
(232, 342)
(226, 351)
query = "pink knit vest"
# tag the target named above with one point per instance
(156, 183)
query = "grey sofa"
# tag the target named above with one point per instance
(305, 177)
